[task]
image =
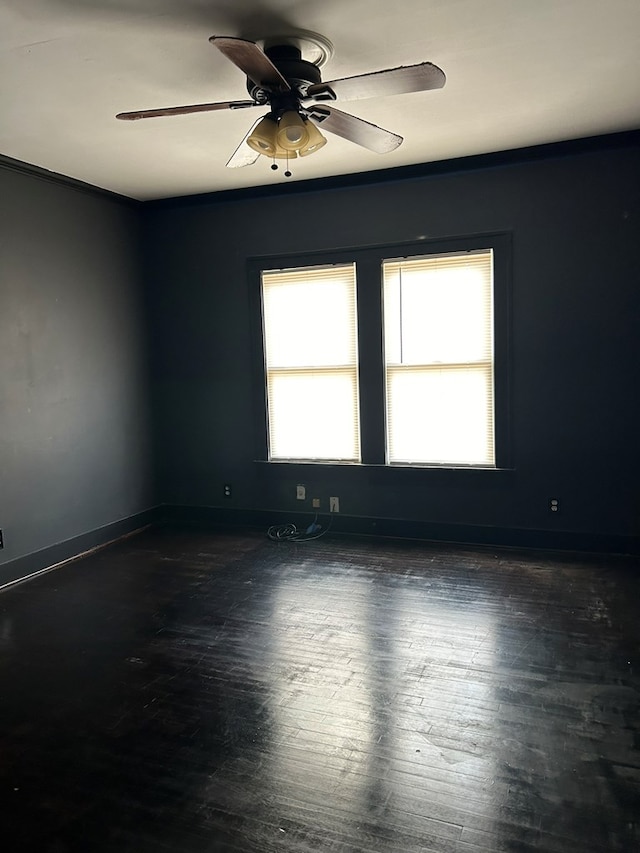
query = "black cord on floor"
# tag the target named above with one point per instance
(290, 533)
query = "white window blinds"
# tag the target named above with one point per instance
(438, 335)
(310, 344)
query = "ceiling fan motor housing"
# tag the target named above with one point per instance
(299, 73)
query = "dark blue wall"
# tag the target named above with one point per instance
(574, 222)
(77, 332)
(74, 448)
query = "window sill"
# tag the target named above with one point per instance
(374, 466)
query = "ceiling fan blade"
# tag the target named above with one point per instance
(394, 81)
(354, 129)
(182, 111)
(243, 155)
(253, 61)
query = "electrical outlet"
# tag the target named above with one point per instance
(554, 505)
(301, 493)
(1, 540)
(334, 504)
(227, 490)
(315, 503)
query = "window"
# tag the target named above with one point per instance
(310, 348)
(438, 344)
(387, 357)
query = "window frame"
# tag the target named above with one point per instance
(395, 366)
(349, 370)
(370, 343)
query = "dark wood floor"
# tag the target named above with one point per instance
(194, 692)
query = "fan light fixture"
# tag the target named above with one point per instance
(263, 138)
(315, 142)
(289, 137)
(292, 132)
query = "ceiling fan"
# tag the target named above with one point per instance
(298, 100)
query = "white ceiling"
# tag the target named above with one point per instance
(519, 73)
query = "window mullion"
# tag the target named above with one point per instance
(371, 359)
